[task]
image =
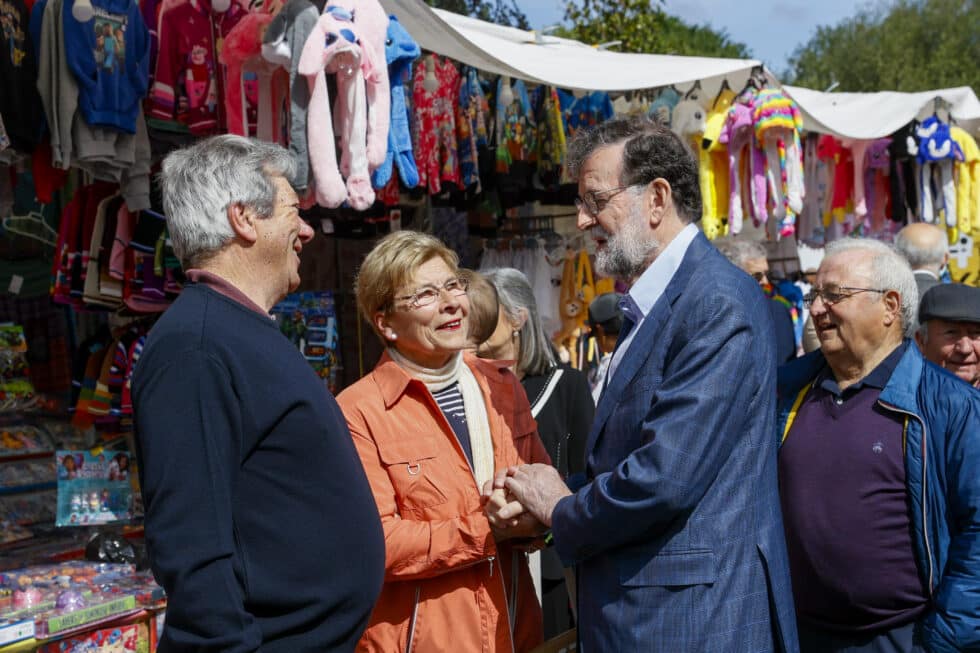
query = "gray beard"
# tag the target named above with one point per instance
(627, 253)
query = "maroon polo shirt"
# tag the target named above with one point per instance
(846, 510)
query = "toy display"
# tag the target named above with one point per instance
(309, 320)
(64, 597)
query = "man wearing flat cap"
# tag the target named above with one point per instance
(949, 330)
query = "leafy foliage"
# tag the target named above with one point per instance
(908, 45)
(644, 26)
(502, 12)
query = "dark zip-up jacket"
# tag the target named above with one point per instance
(942, 469)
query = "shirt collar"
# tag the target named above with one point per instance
(876, 378)
(221, 285)
(928, 273)
(653, 282)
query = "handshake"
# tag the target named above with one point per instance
(519, 501)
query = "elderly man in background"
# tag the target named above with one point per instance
(926, 249)
(676, 532)
(260, 523)
(878, 471)
(751, 257)
(949, 330)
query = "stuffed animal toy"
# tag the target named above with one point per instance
(371, 27)
(400, 51)
(688, 120)
(778, 123)
(967, 182)
(937, 151)
(241, 51)
(283, 44)
(333, 47)
(713, 168)
(739, 135)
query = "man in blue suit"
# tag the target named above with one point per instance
(676, 534)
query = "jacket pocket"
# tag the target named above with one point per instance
(412, 471)
(668, 568)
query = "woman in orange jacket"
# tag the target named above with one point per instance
(431, 426)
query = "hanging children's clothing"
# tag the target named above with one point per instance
(471, 127)
(902, 181)
(551, 137)
(19, 101)
(434, 125)
(189, 83)
(109, 56)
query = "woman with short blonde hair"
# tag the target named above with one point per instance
(431, 426)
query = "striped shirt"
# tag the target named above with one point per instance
(450, 402)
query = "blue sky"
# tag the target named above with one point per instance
(771, 28)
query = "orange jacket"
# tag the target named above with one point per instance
(446, 579)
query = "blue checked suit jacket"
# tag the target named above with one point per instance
(677, 536)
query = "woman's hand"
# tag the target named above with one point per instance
(523, 525)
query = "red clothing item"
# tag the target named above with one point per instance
(831, 150)
(434, 126)
(189, 83)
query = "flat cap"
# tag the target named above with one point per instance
(954, 302)
(605, 307)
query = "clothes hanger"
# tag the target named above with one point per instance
(22, 224)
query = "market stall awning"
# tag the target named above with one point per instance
(554, 61)
(874, 115)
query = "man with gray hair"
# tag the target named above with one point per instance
(675, 534)
(752, 258)
(877, 470)
(926, 249)
(260, 524)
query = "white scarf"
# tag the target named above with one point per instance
(455, 371)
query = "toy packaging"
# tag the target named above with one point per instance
(93, 489)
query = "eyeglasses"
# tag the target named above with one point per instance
(427, 295)
(759, 276)
(833, 294)
(591, 202)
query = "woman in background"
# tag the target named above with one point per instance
(561, 403)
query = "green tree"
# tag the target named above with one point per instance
(502, 12)
(908, 45)
(644, 26)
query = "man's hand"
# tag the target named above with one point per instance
(518, 524)
(537, 488)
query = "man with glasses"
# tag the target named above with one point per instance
(878, 470)
(676, 533)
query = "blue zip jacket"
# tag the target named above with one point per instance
(942, 470)
(110, 60)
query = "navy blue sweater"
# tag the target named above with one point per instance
(260, 523)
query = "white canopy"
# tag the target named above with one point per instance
(875, 115)
(554, 61)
